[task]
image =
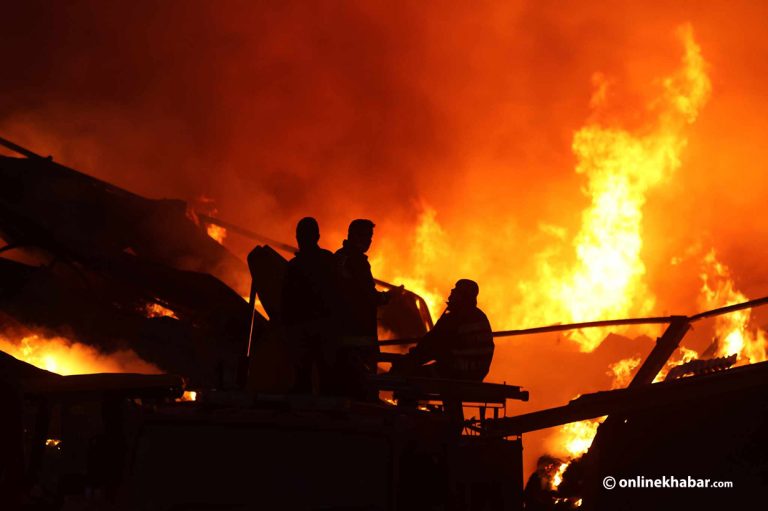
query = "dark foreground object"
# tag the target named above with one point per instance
(719, 433)
(662, 442)
(124, 442)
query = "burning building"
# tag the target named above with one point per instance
(582, 162)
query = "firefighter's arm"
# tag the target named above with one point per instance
(430, 345)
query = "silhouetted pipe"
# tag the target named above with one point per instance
(610, 322)
(21, 150)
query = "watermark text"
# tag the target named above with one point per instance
(610, 482)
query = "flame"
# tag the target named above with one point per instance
(207, 205)
(216, 232)
(53, 442)
(621, 371)
(621, 167)
(256, 304)
(428, 248)
(557, 477)
(602, 275)
(732, 330)
(573, 439)
(65, 357)
(681, 356)
(579, 436)
(155, 310)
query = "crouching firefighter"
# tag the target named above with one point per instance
(460, 344)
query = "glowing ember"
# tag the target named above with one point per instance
(155, 310)
(52, 442)
(732, 330)
(65, 357)
(189, 395)
(216, 232)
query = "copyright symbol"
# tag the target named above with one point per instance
(609, 483)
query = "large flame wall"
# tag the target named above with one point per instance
(579, 162)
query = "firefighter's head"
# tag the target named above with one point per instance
(463, 295)
(307, 233)
(360, 234)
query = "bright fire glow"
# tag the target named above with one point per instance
(557, 477)
(428, 246)
(603, 277)
(680, 356)
(62, 356)
(621, 371)
(216, 232)
(621, 166)
(732, 330)
(573, 439)
(155, 310)
(578, 436)
(257, 305)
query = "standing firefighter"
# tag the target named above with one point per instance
(460, 344)
(310, 303)
(360, 299)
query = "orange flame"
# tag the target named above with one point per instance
(604, 276)
(557, 477)
(573, 439)
(62, 356)
(428, 247)
(155, 310)
(621, 371)
(216, 232)
(732, 330)
(681, 356)
(621, 167)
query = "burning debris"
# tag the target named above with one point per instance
(699, 367)
(155, 310)
(119, 272)
(62, 356)
(734, 336)
(124, 275)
